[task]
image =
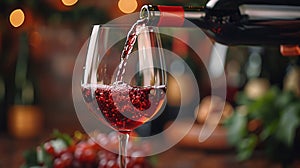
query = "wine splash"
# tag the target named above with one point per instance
(123, 106)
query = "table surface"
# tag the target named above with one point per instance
(11, 155)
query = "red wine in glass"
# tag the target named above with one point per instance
(123, 106)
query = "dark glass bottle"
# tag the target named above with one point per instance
(3, 103)
(25, 91)
(235, 22)
(24, 115)
(3, 83)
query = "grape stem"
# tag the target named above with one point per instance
(123, 140)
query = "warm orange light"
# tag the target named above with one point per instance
(25, 121)
(69, 2)
(127, 6)
(17, 17)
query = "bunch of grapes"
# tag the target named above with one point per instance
(87, 153)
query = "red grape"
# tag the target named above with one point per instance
(58, 163)
(89, 154)
(49, 148)
(67, 158)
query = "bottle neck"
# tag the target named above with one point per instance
(171, 15)
(189, 12)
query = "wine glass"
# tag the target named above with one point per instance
(124, 86)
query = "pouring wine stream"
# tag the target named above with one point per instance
(145, 45)
(129, 43)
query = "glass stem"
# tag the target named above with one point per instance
(123, 140)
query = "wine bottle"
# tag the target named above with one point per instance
(24, 116)
(2, 104)
(24, 85)
(235, 22)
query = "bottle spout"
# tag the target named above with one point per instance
(145, 13)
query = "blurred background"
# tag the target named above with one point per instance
(39, 43)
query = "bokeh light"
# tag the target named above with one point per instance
(17, 18)
(69, 2)
(127, 6)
